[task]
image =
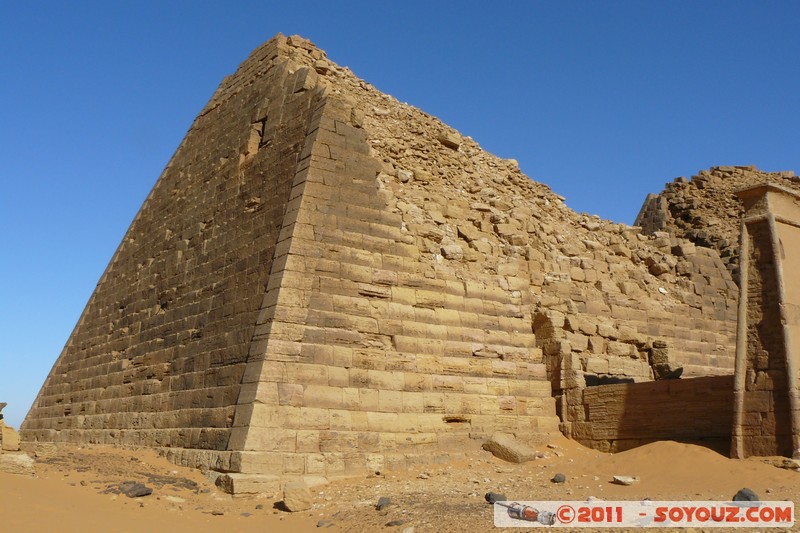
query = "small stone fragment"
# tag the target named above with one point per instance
(321, 66)
(448, 140)
(357, 117)
(422, 176)
(559, 478)
(393, 523)
(325, 523)
(745, 495)
(453, 252)
(625, 480)
(492, 497)
(131, 489)
(404, 175)
(383, 502)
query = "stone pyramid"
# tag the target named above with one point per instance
(325, 281)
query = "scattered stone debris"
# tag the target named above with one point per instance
(131, 489)
(297, 496)
(624, 480)
(745, 495)
(704, 210)
(507, 448)
(786, 463)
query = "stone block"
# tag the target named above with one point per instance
(16, 463)
(297, 496)
(619, 349)
(597, 365)
(507, 448)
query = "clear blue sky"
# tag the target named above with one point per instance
(603, 101)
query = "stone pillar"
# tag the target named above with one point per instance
(767, 404)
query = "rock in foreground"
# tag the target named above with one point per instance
(507, 448)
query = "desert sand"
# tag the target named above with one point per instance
(73, 490)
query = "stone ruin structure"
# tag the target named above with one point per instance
(325, 281)
(9, 439)
(705, 209)
(767, 403)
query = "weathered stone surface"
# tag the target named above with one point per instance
(236, 483)
(16, 463)
(767, 414)
(507, 448)
(688, 208)
(453, 251)
(404, 175)
(9, 438)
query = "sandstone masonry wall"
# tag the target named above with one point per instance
(158, 356)
(370, 358)
(623, 416)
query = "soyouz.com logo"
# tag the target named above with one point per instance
(643, 514)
